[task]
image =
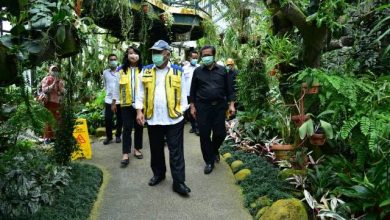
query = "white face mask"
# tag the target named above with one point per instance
(133, 57)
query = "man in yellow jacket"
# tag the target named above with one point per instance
(163, 98)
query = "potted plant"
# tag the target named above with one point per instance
(316, 129)
(283, 149)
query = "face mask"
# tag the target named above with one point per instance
(54, 73)
(228, 68)
(208, 60)
(158, 59)
(113, 64)
(194, 62)
(134, 57)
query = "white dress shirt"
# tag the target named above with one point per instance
(160, 111)
(188, 73)
(111, 80)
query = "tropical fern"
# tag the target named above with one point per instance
(347, 128)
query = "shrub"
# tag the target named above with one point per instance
(263, 180)
(28, 180)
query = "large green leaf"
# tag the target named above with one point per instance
(306, 129)
(385, 203)
(327, 129)
(32, 46)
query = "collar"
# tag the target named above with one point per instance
(167, 67)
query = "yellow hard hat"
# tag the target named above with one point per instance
(229, 61)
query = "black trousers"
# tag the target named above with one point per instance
(108, 115)
(174, 137)
(211, 118)
(129, 115)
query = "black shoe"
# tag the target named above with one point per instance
(208, 168)
(192, 130)
(138, 156)
(107, 141)
(197, 132)
(181, 188)
(156, 180)
(125, 162)
(118, 139)
(217, 158)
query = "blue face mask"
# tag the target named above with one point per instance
(158, 59)
(113, 64)
(208, 60)
(194, 62)
(227, 68)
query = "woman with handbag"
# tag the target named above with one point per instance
(52, 91)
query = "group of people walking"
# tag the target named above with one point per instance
(159, 95)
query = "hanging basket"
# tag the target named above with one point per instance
(8, 71)
(317, 139)
(282, 151)
(71, 45)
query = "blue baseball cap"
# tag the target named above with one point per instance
(160, 45)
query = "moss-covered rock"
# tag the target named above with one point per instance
(286, 209)
(261, 212)
(236, 165)
(100, 132)
(286, 173)
(242, 174)
(227, 155)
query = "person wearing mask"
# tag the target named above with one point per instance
(126, 90)
(211, 91)
(110, 79)
(52, 92)
(188, 72)
(163, 98)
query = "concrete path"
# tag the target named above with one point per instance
(128, 195)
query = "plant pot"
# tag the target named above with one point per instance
(313, 90)
(282, 151)
(317, 139)
(71, 45)
(299, 119)
(8, 71)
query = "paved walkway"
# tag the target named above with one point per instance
(128, 195)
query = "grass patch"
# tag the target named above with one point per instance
(263, 180)
(79, 196)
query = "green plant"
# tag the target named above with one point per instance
(263, 180)
(78, 196)
(29, 179)
(369, 192)
(314, 124)
(94, 113)
(22, 117)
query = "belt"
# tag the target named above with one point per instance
(215, 102)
